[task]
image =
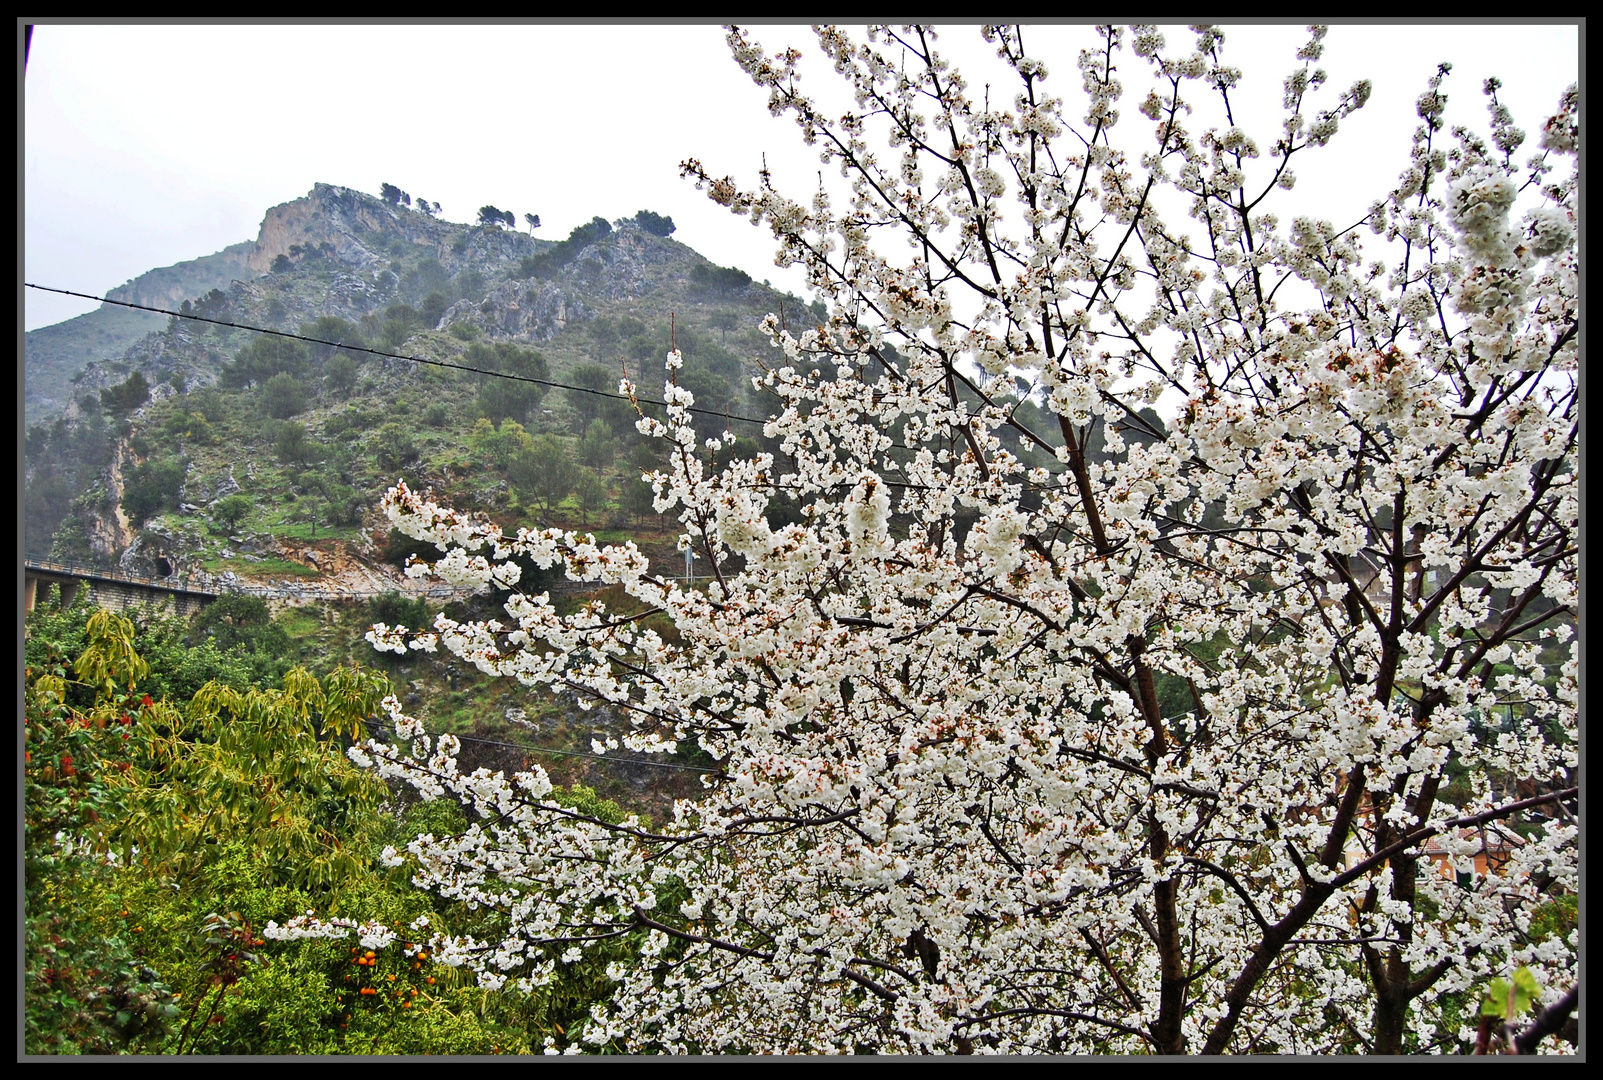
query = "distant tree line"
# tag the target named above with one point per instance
(396, 197)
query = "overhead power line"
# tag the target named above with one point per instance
(636, 400)
(399, 356)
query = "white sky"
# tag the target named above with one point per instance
(148, 145)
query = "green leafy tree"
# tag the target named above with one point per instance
(590, 491)
(499, 444)
(713, 280)
(392, 446)
(598, 449)
(293, 445)
(264, 767)
(491, 215)
(432, 309)
(262, 358)
(604, 403)
(284, 396)
(533, 221)
(310, 509)
(153, 487)
(655, 224)
(636, 497)
(126, 396)
(237, 620)
(502, 399)
(331, 333)
(545, 472)
(339, 374)
(231, 511)
(393, 609)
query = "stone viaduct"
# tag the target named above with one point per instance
(113, 589)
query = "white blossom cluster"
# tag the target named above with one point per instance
(1136, 752)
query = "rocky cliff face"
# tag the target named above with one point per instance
(170, 286)
(520, 311)
(354, 224)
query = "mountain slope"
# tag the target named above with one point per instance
(55, 354)
(187, 414)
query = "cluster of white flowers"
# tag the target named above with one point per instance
(1137, 751)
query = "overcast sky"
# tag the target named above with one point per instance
(148, 145)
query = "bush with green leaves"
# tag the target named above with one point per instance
(283, 396)
(153, 487)
(84, 991)
(393, 609)
(126, 396)
(230, 511)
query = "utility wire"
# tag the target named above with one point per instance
(636, 400)
(398, 356)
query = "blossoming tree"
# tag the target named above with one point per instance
(1037, 749)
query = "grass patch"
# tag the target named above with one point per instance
(245, 568)
(302, 530)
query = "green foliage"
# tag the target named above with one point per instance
(393, 609)
(292, 445)
(234, 812)
(83, 991)
(587, 802)
(544, 472)
(392, 446)
(655, 224)
(396, 328)
(265, 768)
(330, 328)
(508, 399)
(1508, 999)
(432, 309)
(263, 357)
(563, 252)
(636, 496)
(231, 511)
(236, 621)
(598, 449)
(590, 491)
(588, 233)
(152, 488)
(46, 496)
(587, 408)
(284, 396)
(1557, 918)
(712, 280)
(183, 424)
(470, 284)
(126, 396)
(498, 445)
